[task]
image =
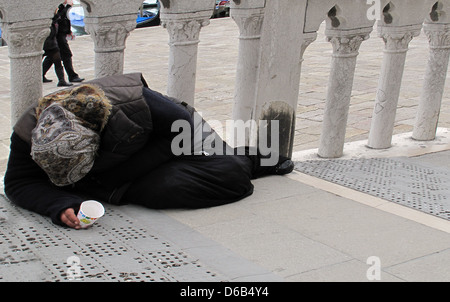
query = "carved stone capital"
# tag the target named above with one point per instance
(25, 41)
(347, 43)
(184, 31)
(397, 39)
(110, 35)
(438, 35)
(249, 23)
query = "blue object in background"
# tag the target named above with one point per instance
(148, 17)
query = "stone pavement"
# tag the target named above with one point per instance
(293, 228)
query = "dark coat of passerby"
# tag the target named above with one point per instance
(112, 140)
(52, 55)
(65, 30)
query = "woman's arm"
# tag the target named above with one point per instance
(27, 185)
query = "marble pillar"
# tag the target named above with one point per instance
(25, 27)
(345, 51)
(250, 24)
(184, 32)
(396, 41)
(25, 41)
(277, 87)
(109, 35)
(433, 88)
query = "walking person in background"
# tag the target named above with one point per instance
(52, 56)
(64, 31)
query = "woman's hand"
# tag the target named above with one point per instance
(69, 218)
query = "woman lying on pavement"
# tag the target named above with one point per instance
(112, 140)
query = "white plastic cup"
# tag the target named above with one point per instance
(89, 212)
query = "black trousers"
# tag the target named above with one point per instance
(193, 182)
(53, 57)
(66, 56)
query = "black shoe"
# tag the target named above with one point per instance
(76, 80)
(64, 84)
(284, 167)
(45, 80)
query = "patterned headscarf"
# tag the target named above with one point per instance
(66, 137)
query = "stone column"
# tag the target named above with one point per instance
(109, 35)
(25, 41)
(345, 51)
(433, 87)
(396, 41)
(277, 87)
(184, 32)
(249, 22)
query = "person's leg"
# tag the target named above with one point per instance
(46, 65)
(66, 57)
(59, 70)
(68, 66)
(193, 182)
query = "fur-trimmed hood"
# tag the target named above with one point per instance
(87, 102)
